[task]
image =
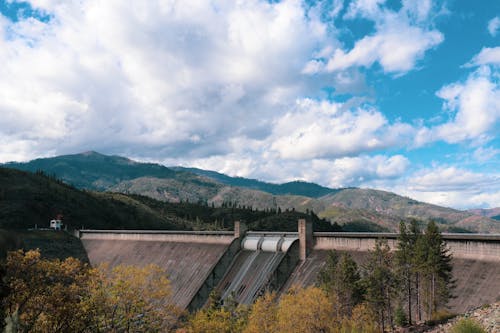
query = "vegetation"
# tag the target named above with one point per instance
(33, 199)
(69, 296)
(467, 326)
(415, 281)
(306, 310)
(423, 270)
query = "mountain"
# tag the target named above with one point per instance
(29, 199)
(291, 188)
(493, 213)
(95, 171)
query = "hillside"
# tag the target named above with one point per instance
(28, 199)
(95, 171)
(291, 188)
(493, 213)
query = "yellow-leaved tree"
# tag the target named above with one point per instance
(264, 315)
(45, 295)
(131, 299)
(51, 296)
(306, 310)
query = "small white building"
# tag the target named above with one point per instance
(56, 224)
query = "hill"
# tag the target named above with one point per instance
(493, 213)
(95, 171)
(29, 199)
(291, 188)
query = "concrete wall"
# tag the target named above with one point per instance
(477, 247)
(214, 237)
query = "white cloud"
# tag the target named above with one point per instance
(320, 129)
(487, 56)
(341, 172)
(474, 106)
(454, 187)
(399, 42)
(485, 154)
(494, 26)
(153, 77)
(396, 48)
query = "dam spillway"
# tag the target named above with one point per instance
(244, 264)
(255, 265)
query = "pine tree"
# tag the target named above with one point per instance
(407, 263)
(340, 278)
(437, 270)
(380, 282)
(403, 264)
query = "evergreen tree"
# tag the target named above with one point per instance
(437, 270)
(406, 262)
(380, 283)
(341, 279)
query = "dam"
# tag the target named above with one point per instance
(244, 264)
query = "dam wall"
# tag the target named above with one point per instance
(242, 264)
(194, 261)
(204, 237)
(466, 246)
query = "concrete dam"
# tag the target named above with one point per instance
(244, 264)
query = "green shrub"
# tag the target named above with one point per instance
(400, 317)
(467, 326)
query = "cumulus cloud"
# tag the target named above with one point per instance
(494, 26)
(161, 77)
(341, 172)
(399, 42)
(474, 106)
(487, 56)
(455, 187)
(322, 129)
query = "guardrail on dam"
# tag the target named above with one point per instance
(244, 263)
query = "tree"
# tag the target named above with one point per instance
(217, 317)
(263, 315)
(130, 299)
(4, 292)
(45, 294)
(380, 281)
(308, 310)
(406, 264)
(437, 270)
(340, 278)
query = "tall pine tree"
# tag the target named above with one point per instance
(380, 283)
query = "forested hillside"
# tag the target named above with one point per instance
(28, 199)
(375, 209)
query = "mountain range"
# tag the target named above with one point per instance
(98, 172)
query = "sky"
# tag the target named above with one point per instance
(398, 95)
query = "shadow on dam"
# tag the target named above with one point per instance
(243, 265)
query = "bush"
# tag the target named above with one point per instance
(440, 317)
(400, 317)
(467, 326)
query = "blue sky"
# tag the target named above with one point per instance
(396, 95)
